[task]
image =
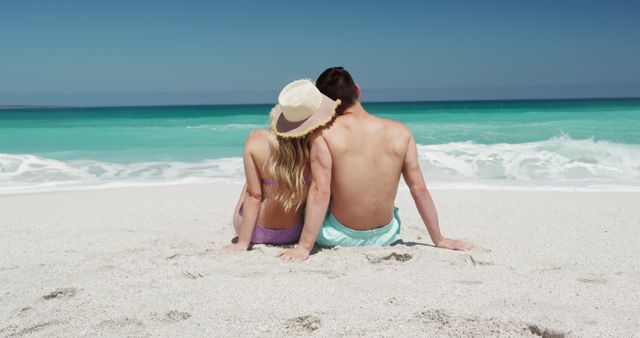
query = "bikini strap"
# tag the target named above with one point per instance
(268, 181)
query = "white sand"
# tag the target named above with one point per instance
(148, 262)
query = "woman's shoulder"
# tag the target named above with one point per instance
(258, 134)
(257, 138)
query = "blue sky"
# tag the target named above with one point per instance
(197, 52)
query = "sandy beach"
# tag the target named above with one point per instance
(148, 262)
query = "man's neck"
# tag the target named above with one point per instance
(356, 109)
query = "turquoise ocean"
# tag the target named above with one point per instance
(554, 144)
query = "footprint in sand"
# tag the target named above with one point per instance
(173, 316)
(544, 332)
(176, 316)
(592, 280)
(442, 323)
(193, 274)
(120, 327)
(9, 330)
(61, 293)
(12, 331)
(307, 323)
(469, 282)
(375, 259)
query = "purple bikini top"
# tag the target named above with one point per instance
(268, 181)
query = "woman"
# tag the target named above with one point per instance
(276, 166)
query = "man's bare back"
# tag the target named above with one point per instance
(367, 154)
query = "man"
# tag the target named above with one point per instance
(357, 162)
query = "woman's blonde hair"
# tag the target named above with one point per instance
(288, 165)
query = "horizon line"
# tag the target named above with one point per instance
(46, 106)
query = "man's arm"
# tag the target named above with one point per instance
(317, 200)
(413, 177)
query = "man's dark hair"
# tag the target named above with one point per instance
(337, 83)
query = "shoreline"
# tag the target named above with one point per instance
(148, 261)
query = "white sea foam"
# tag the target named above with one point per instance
(560, 163)
(26, 173)
(557, 159)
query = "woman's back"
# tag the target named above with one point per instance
(272, 213)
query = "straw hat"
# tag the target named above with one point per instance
(301, 108)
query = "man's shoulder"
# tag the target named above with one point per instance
(395, 127)
(343, 124)
(317, 134)
(394, 124)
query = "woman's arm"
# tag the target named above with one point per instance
(252, 197)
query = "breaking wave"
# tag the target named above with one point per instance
(557, 162)
(558, 158)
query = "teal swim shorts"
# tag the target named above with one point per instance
(333, 233)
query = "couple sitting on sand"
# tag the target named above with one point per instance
(325, 152)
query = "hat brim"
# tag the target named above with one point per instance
(323, 115)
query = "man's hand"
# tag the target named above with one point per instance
(454, 244)
(297, 254)
(236, 247)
